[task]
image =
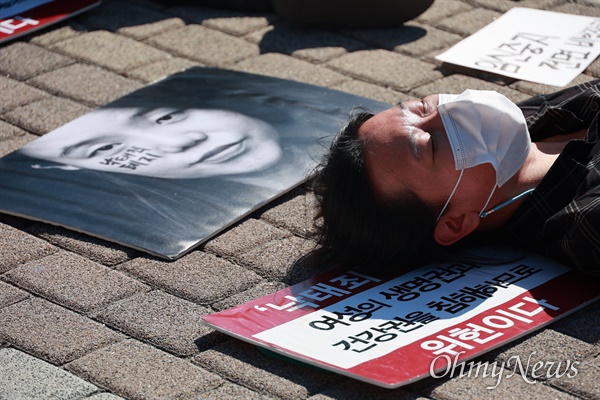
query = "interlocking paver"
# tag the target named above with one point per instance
(245, 364)
(138, 371)
(161, 319)
(228, 21)
(160, 69)
(548, 347)
(15, 93)
(582, 381)
(23, 377)
(231, 392)
(442, 9)
(10, 294)
(249, 234)
(277, 260)
(51, 332)
(19, 247)
(199, 277)
(45, 115)
(582, 325)
(95, 249)
(66, 30)
(24, 60)
(294, 212)
(369, 90)
(303, 42)
(12, 138)
(285, 67)
(468, 22)
(205, 45)
(501, 384)
(505, 5)
(89, 84)
(112, 51)
(412, 39)
(74, 282)
(260, 290)
(456, 84)
(355, 390)
(130, 20)
(383, 68)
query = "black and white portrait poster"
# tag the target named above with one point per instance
(169, 166)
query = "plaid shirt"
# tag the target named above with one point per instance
(561, 218)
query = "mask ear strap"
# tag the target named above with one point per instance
(451, 194)
(482, 213)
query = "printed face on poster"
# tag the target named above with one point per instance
(167, 167)
(532, 45)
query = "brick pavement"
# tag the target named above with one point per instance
(83, 318)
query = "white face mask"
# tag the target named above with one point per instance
(484, 127)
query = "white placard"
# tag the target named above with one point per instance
(533, 45)
(8, 8)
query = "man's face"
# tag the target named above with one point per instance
(163, 143)
(406, 147)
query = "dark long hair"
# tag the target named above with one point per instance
(357, 227)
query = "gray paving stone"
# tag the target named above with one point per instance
(442, 9)
(115, 52)
(12, 138)
(304, 42)
(19, 247)
(385, 68)
(45, 115)
(459, 83)
(59, 33)
(51, 332)
(594, 69)
(138, 371)
(249, 234)
(23, 60)
(231, 392)
(277, 259)
(15, 94)
(245, 364)
(98, 250)
(504, 384)
(505, 5)
(205, 45)
(23, 377)
(582, 325)
(468, 22)
(535, 88)
(294, 212)
(74, 282)
(160, 319)
(547, 346)
(10, 294)
(152, 72)
(411, 38)
(356, 390)
(285, 67)
(199, 277)
(86, 83)
(371, 91)
(228, 21)
(584, 383)
(254, 293)
(104, 396)
(130, 20)
(577, 9)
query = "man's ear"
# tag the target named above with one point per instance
(451, 228)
